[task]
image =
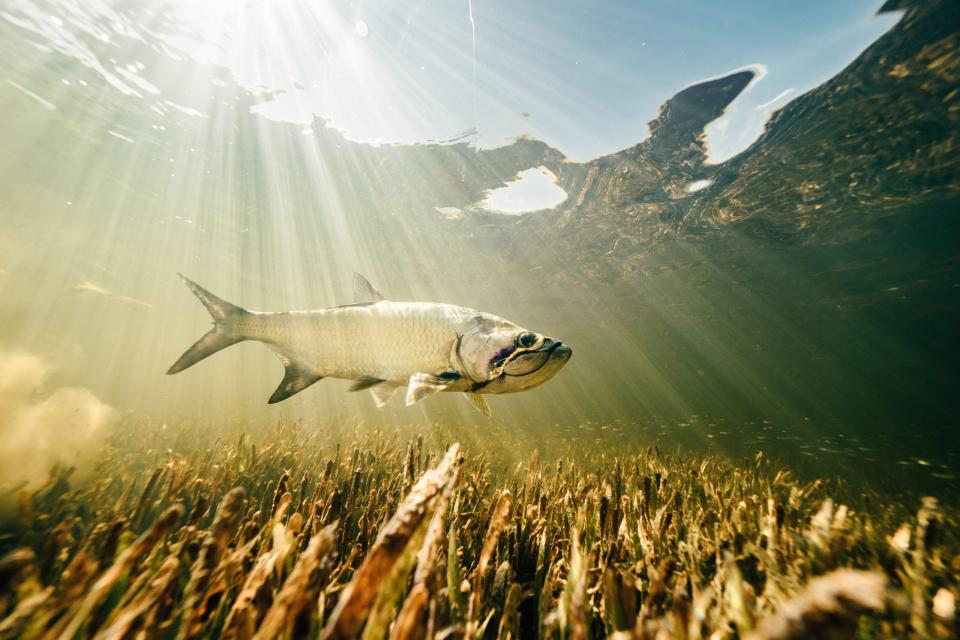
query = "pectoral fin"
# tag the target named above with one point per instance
(382, 394)
(480, 403)
(297, 377)
(422, 385)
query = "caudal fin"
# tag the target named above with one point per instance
(223, 333)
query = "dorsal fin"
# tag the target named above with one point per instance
(297, 377)
(363, 291)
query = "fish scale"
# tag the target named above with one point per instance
(385, 340)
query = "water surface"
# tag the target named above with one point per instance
(798, 297)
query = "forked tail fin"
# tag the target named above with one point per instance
(223, 334)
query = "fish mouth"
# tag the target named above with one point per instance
(529, 362)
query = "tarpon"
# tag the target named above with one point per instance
(383, 345)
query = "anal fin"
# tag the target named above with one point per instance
(297, 377)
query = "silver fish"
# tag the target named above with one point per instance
(383, 345)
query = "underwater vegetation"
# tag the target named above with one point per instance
(283, 533)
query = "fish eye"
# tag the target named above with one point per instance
(526, 340)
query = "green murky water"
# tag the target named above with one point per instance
(798, 298)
